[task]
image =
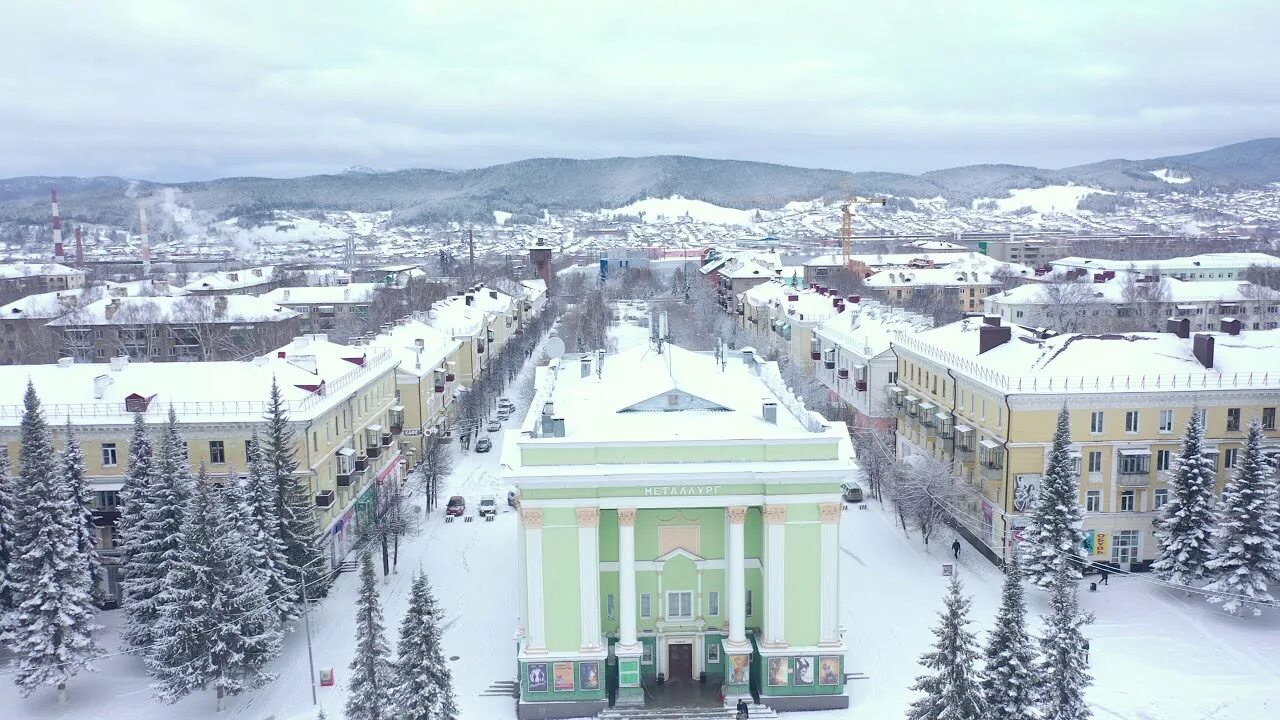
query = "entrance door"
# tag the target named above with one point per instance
(680, 661)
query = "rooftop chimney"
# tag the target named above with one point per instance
(66, 362)
(119, 362)
(493, 294)
(585, 365)
(112, 307)
(1202, 347)
(1230, 326)
(470, 298)
(100, 384)
(993, 320)
(557, 427)
(855, 299)
(1178, 326)
(769, 410)
(599, 362)
(992, 335)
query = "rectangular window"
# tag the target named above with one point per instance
(1233, 419)
(610, 608)
(217, 452)
(713, 603)
(247, 443)
(1093, 501)
(1269, 418)
(106, 499)
(1131, 421)
(893, 378)
(1166, 421)
(680, 605)
(1162, 459)
(1124, 546)
(749, 603)
(1134, 464)
(1095, 422)
(713, 654)
(1161, 497)
(1126, 501)
(1229, 457)
(1095, 461)
(646, 609)
(108, 454)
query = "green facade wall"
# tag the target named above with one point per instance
(561, 593)
(557, 454)
(803, 579)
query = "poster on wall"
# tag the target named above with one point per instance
(1089, 542)
(739, 669)
(1100, 546)
(536, 674)
(590, 675)
(563, 672)
(829, 670)
(1026, 490)
(804, 671)
(778, 670)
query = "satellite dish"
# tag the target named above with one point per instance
(554, 348)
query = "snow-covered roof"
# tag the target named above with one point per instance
(13, 271)
(868, 327)
(1179, 291)
(349, 294)
(629, 400)
(1206, 261)
(233, 280)
(60, 302)
(938, 245)
(1119, 362)
(880, 260)
(455, 317)
(534, 289)
(223, 391)
(404, 340)
(972, 269)
(808, 305)
(191, 309)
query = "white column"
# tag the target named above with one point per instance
(627, 579)
(736, 578)
(589, 576)
(775, 576)
(535, 626)
(829, 600)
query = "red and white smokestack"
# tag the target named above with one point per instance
(58, 255)
(79, 245)
(146, 241)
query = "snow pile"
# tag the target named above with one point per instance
(500, 217)
(681, 209)
(1168, 176)
(288, 229)
(1048, 199)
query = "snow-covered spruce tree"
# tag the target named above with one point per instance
(215, 625)
(1009, 680)
(1055, 526)
(369, 692)
(1246, 550)
(86, 530)
(49, 631)
(951, 689)
(294, 504)
(155, 533)
(1064, 669)
(7, 519)
(131, 528)
(1184, 526)
(263, 532)
(423, 683)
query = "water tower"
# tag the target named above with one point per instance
(540, 257)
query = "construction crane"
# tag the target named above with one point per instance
(846, 220)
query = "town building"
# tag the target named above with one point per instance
(1208, 266)
(983, 396)
(1033, 252)
(340, 309)
(482, 319)
(163, 329)
(534, 294)
(857, 360)
(785, 317)
(1128, 300)
(249, 281)
(824, 269)
(960, 286)
(21, 279)
(426, 378)
(680, 519)
(342, 411)
(733, 273)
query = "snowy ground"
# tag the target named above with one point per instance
(1156, 655)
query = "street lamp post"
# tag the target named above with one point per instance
(306, 624)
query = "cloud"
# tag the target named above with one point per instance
(178, 91)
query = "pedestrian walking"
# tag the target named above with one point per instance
(743, 710)
(1086, 651)
(955, 548)
(1103, 574)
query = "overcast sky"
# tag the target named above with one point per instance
(182, 90)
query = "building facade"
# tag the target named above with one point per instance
(679, 517)
(426, 378)
(341, 309)
(249, 281)
(21, 279)
(1208, 266)
(984, 397)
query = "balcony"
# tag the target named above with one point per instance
(345, 479)
(387, 439)
(362, 462)
(1133, 480)
(324, 499)
(843, 373)
(988, 472)
(373, 451)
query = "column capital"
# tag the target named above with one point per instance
(532, 519)
(774, 514)
(737, 514)
(588, 517)
(626, 517)
(829, 512)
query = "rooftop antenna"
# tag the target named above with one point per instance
(58, 255)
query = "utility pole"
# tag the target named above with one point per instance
(471, 249)
(306, 623)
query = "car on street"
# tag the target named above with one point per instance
(495, 425)
(488, 506)
(456, 507)
(504, 415)
(852, 493)
(484, 445)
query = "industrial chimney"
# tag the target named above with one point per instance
(58, 255)
(146, 241)
(79, 245)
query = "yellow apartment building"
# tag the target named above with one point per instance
(426, 378)
(788, 316)
(984, 397)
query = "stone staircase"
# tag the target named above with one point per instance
(684, 713)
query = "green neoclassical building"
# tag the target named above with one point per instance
(679, 534)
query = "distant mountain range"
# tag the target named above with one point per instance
(527, 187)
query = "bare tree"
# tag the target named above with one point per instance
(1069, 306)
(924, 492)
(1145, 297)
